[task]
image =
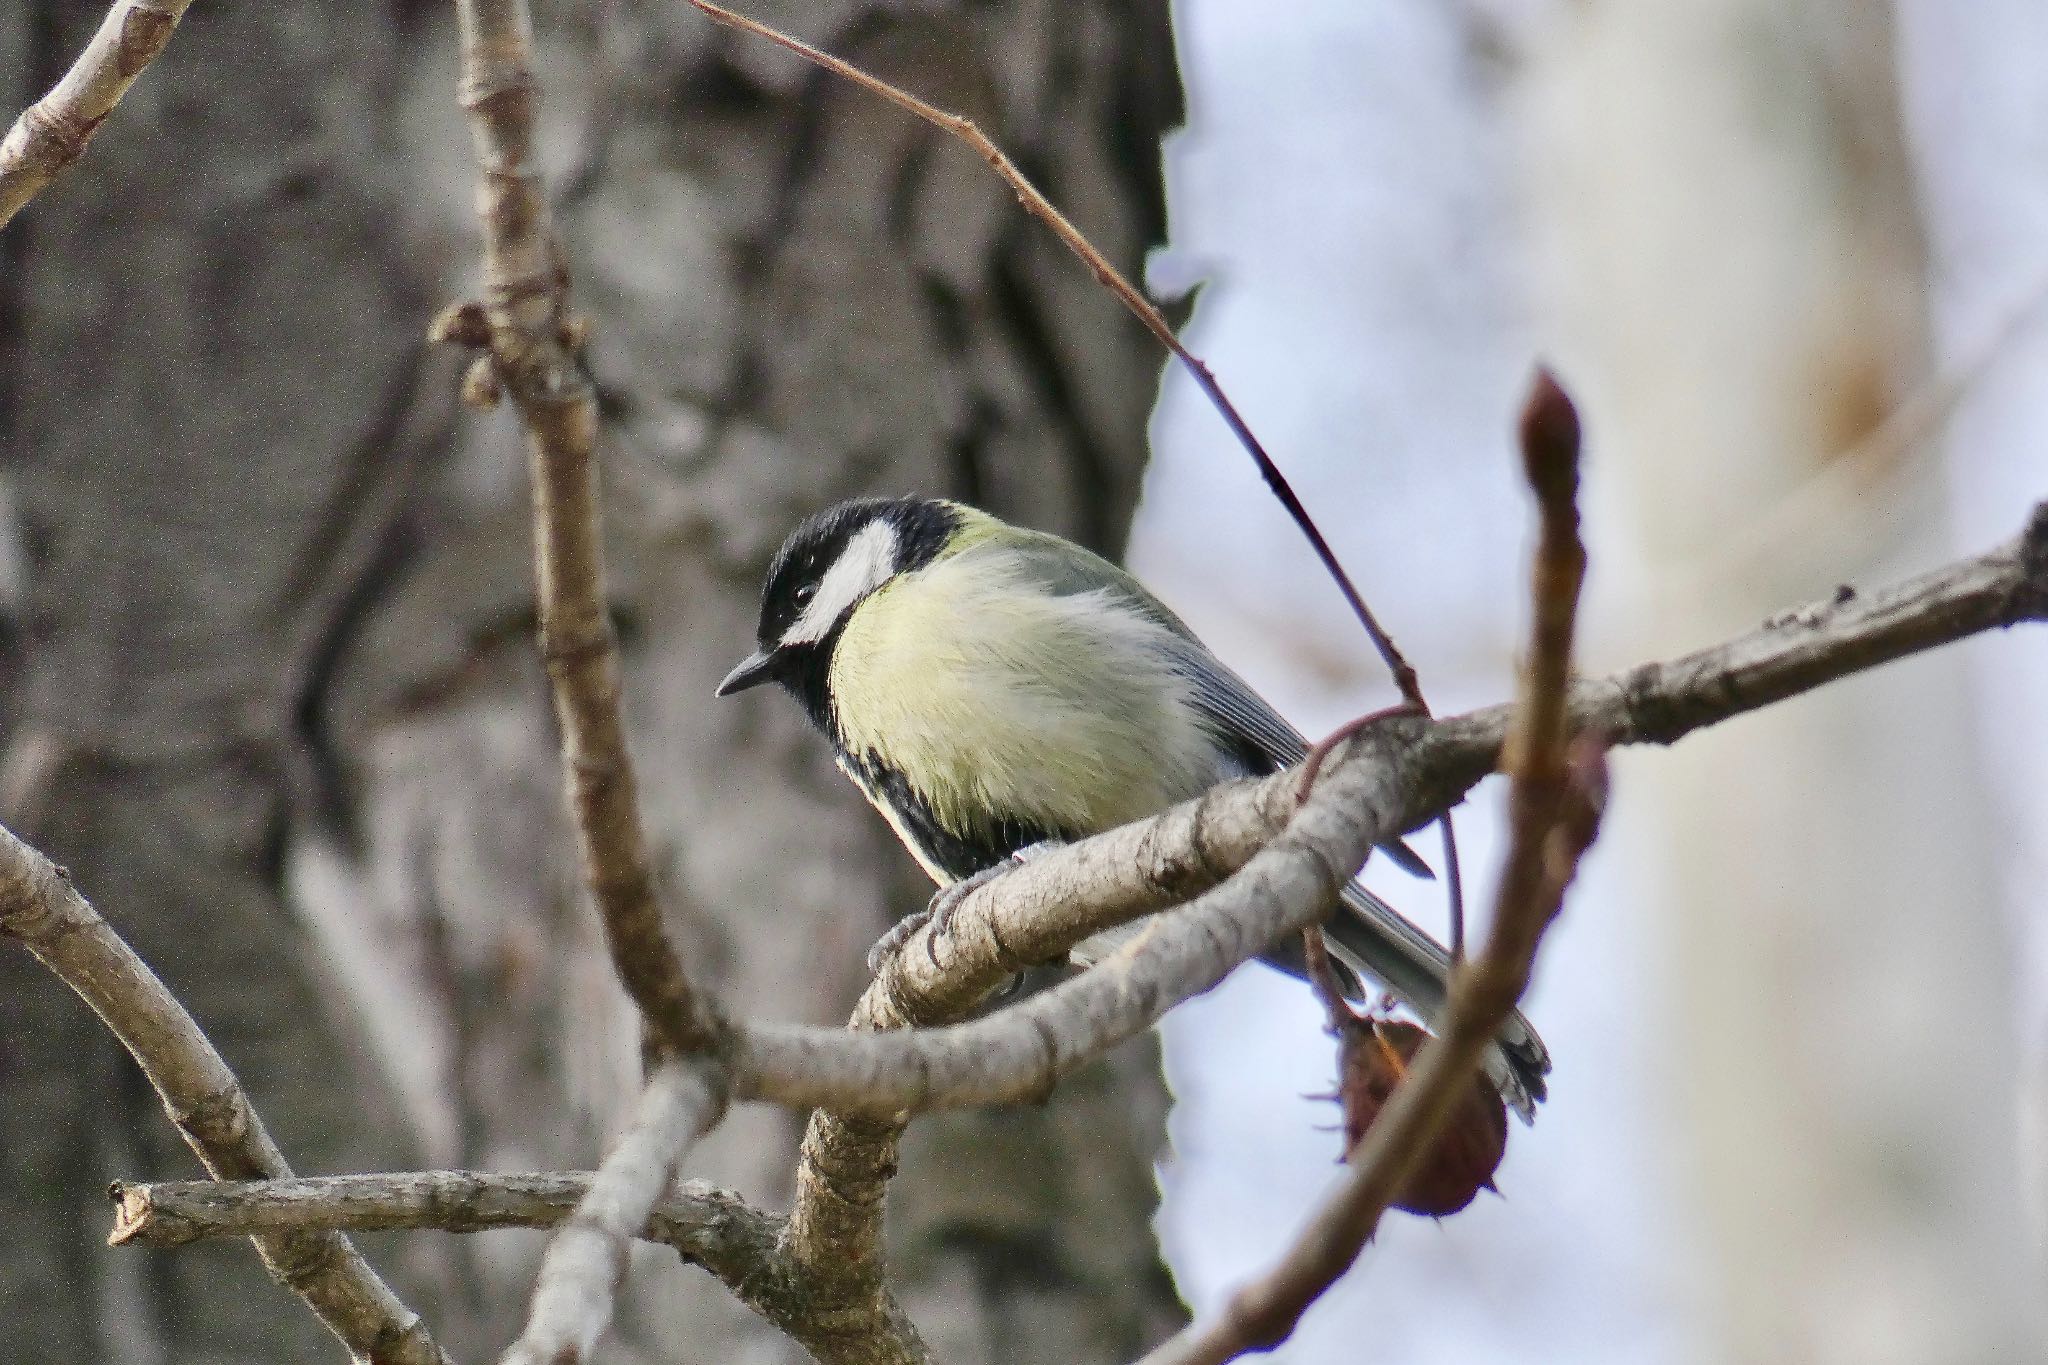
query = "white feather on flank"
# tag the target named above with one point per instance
(864, 565)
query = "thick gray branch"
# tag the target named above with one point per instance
(1394, 776)
(39, 906)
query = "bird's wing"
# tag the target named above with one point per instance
(1262, 739)
(1368, 936)
(1266, 742)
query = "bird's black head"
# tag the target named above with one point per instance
(821, 573)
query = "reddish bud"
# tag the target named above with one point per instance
(1550, 441)
(1375, 1055)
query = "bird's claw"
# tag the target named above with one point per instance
(938, 915)
(892, 940)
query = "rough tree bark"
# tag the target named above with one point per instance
(798, 295)
(214, 344)
(280, 613)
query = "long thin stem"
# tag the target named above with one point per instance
(525, 323)
(1112, 279)
(1553, 816)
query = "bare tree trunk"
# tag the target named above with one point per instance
(280, 634)
(213, 337)
(278, 628)
(1743, 277)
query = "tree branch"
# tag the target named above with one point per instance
(53, 132)
(587, 1261)
(204, 1100)
(532, 354)
(705, 1224)
(532, 345)
(709, 1227)
(1551, 821)
(1387, 779)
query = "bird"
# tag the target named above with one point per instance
(993, 690)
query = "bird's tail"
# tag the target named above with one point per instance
(1374, 941)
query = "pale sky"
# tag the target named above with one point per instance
(1346, 185)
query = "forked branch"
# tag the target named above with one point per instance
(531, 352)
(205, 1102)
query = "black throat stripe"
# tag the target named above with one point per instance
(958, 855)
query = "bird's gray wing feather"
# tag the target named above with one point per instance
(1368, 937)
(1229, 705)
(1376, 941)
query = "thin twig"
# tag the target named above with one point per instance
(1128, 294)
(697, 1219)
(586, 1262)
(1323, 978)
(1548, 830)
(53, 132)
(206, 1103)
(707, 1226)
(532, 340)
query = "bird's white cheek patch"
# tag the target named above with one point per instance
(864, 565)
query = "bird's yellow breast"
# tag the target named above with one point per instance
(997, 700)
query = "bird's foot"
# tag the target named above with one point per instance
(939, 913)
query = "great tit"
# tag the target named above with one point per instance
(991, 688)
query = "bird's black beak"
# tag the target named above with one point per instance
(754, 670)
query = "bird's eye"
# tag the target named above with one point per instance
(805, 593)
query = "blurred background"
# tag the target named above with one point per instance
(1797, 999)
(270, 690)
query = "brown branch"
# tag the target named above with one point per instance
(1126, 293)
(40, 907)
(53, 132)
(708, 1227)
(1551, 821)
(585, 1264)
(532, 356)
